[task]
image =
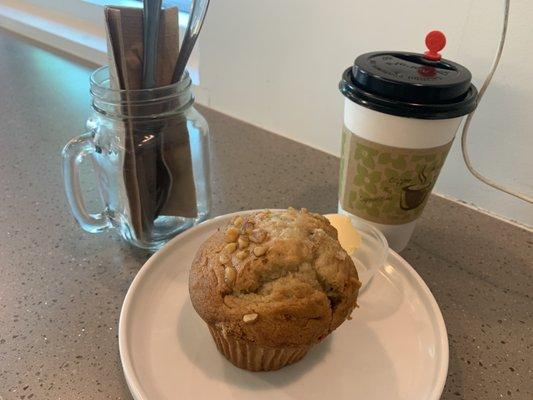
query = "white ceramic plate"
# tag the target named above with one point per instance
(395, 347)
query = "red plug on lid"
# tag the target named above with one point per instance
(435, 42)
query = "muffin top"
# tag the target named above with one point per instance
(276, 278)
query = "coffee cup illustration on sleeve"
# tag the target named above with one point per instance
(402, 111)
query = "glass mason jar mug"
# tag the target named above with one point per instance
(150, 151)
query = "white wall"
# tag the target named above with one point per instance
(277, 63)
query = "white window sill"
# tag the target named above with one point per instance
(81, 37)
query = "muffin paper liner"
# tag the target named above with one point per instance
(252, 357)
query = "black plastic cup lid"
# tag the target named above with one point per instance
(410, 84)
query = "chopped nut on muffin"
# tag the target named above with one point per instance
(271, 284)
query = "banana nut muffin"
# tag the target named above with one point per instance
(271, 284)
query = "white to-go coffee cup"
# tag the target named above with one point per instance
(402, 111)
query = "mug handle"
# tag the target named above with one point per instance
(72, 156)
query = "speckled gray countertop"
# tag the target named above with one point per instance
(61, 289)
